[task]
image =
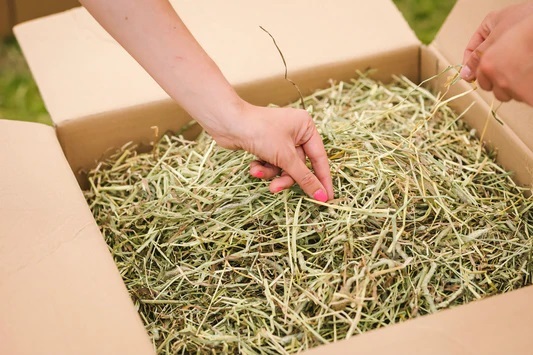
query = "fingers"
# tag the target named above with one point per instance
(475, 41)
(475, 48)
(281, 183)
(285, 181)
(314, 149)
(483, 81)
(470, 69)
(286, 141)
(305, 178)
(502, 94)
(263, 170)
(501, 91)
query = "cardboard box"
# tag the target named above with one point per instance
(61, 292)
(100, 98)
(13, 12)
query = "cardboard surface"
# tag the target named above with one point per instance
(101, 101)
(76, 83)
(496, 325)
(451, 42)
(61, 291)
(112, 95)
(512, 153)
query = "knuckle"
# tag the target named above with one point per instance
(502, 96)
(492, 14)
(486, 67)
(305, 117)
(307, 180)
(503, 82)
(285, 159)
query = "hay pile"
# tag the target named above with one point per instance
(424, 220)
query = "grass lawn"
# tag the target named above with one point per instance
(20, 98)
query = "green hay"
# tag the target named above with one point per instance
(423, 220)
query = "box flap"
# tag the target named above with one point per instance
(451, 42)
(61, 291)
(81, 71)
(497, 325)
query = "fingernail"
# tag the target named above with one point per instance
(320, 195)
(278, 189)
(259, 174)
(466, 72)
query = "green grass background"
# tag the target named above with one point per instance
(20, 98)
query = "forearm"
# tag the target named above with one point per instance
(152, 32)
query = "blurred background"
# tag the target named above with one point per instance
(20, 98)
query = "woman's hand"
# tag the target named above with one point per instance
(500, 54)
(152, 32)
(282, 138)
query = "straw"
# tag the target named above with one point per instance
(423, 220)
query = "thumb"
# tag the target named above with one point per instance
(304, 177)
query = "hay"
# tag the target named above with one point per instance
(424, 220)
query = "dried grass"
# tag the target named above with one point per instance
(424, 220)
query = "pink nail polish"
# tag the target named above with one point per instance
(466, 73)
(259, 174)
(279, 189)
(320, 195)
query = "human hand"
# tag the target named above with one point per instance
(281, 138)
(500, 54)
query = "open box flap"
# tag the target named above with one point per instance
(81, 71)
(451, 41)
(496, 325)
(61, 290)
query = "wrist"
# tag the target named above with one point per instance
(224, 120)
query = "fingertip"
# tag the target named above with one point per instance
(331, 193)
(258, 174)
(320, 195)
(466, 73)
(263, 170)
(256, 170)
(275, 189)
(281, 183)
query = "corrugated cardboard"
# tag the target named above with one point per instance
(314, 36)
(13, 12)
(496, 325)
(98, 102)
(61, 291)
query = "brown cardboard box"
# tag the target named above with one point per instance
(61, 291)
(99, 99)
(13, 12)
